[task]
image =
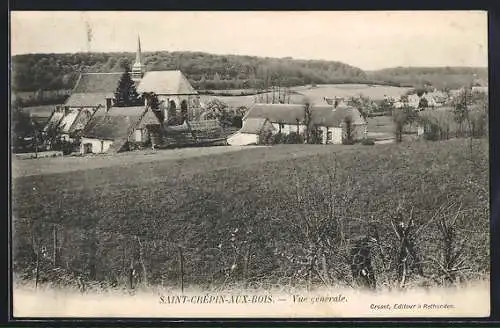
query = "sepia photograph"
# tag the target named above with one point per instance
(249, 164)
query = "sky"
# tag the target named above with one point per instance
(368, 40)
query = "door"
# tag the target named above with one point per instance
(138, 135)
(87, 148)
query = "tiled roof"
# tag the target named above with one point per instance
(290, 113)
(117, 123)
(166, 83)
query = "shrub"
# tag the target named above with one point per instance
(293, 138)
(265, 137)
(432, 131)
(368, 142)
(479, 124)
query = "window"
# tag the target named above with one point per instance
(282, 126)
(329, 136)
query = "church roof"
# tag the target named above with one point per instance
(92, 89)
(166, 83)
(97, 83)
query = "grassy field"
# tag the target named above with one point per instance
(374, 92)
(316, 94)
(254, 216)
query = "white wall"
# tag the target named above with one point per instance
(98, 145)
(336, 135)
(243, 139)
(288, 128)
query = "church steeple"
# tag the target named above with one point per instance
(138, 67)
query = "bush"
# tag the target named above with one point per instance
(368, 142)
(277, 138)
(293, 138)
(265, 138)
(479, 125)
(432, 130)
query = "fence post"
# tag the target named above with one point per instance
(181, 262)
(37, 275)
(54, 251)
(131, 275)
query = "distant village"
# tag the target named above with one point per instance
(170, 113)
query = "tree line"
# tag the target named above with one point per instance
(33, 72)
(441, 78)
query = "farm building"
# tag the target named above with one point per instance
(331, 122)
(250, 132)
(54, 119)
(118, 127)
(91, 92)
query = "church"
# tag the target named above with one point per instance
(89, 114)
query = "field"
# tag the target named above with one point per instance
(253, 216)
(374, 92)
(316, 94)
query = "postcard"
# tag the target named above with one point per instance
(266, 164)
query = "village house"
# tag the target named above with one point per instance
(91, 92)
(331, 122)
(118, 128)
(251, 132)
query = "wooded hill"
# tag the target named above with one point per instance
(34, 72)
(438, 77)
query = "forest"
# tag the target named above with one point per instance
(35, 72)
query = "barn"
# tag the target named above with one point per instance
(118, 129)
(332, 123)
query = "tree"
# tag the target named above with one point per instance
(349, 135)
(363, 104)
(308, 120)
(461, 109)
(387, 105)
(22, 128)
(126, 94)
(401, 117)
(423, 103)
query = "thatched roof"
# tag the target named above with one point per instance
(166, 83)
(321, 115)
(254, 125)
